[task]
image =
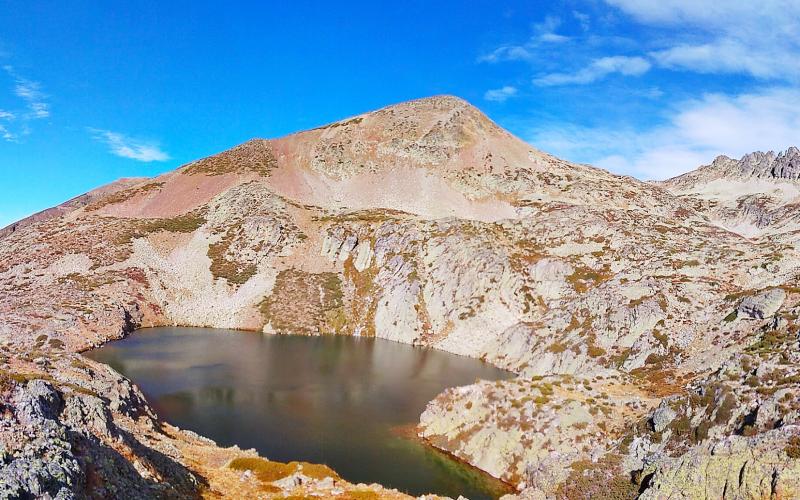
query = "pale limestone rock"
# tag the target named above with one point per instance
(761, 305)
(363, 256)
(736, 467)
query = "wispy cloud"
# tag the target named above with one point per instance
(544, 33)
(583, 19)
(31, 92)
(596, 70)
(500, 95)
(724, 56)
(760, 39)
(695, 133)
(6, 134)
(128, 147)
(33, 106)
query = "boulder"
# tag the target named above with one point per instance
(761, 305)
(662, 417)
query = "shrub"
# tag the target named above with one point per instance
(595, 351)
(793, 448)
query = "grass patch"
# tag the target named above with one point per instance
(268, 471)
(603, 479)
(252, 156)
(234, 272)
(731, 317)
(305, 304)
(584, 278)
(187, 223)
(793, 447)
(124, 195)
(360, 495)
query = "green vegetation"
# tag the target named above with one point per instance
(305, 304)
(601, 479)
(236, 273)
(140, 228)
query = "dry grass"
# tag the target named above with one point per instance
(124, 195)
(252, 156)
(305, 304)
(583, 278)
(268, 471)
(236, 273)
(187, 223)
(603, 479)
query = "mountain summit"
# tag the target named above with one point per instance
(652, 326)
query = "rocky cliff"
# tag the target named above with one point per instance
(755, 196)
(649, 330)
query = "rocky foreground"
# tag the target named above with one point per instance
(653, 326)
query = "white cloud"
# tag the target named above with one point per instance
(582, 18)
(598, 69)
(35, 104)
(694, 134)
(507, 53)
(31, 92)
(711, 13)
(760, 39)
(543, 34)
(6, 134)
(546, 31)
(725, 56)
(501, 94)
(127, 147)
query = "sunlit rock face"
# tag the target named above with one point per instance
(428, 224)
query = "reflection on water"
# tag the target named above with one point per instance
(332, 400)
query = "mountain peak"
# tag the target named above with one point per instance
(771, 166)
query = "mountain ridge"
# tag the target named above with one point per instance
(634, 314)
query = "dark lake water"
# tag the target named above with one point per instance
(334, 400)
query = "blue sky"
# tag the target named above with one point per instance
(94, 91)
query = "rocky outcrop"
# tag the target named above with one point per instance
(755, 195)
(62, 440)
(761, 305)
(735, 467)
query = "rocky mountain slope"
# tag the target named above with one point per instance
(757, 195)
(652, 325)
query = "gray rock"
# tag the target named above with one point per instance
(777, 323)
(761, 305)
(785, 165)
(45, 467)
(662, 417)
(36, 402)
